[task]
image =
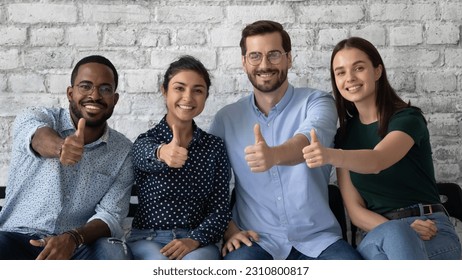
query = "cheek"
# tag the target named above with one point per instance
(338, 83)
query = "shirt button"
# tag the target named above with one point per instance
(279, 198)
(268, 124)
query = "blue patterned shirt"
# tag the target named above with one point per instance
(194, 197)
(45, 197)
(286, 205)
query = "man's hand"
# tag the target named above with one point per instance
(173, 154)
(72, 148)
(260, 156)
(60, 247)
(234, 242)
(425, 228)
(178, 248)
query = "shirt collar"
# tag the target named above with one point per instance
(279, 107)
(197, 132)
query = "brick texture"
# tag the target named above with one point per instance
(420, 42)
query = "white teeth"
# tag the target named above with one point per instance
(353, 88)
(91, 107)
(184, 107)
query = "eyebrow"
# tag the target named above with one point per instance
(90, 82)
(183, 84)
(342, 67)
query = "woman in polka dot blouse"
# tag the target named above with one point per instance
(181, 174)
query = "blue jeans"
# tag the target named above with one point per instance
(145, 244)
(16, 246)
(339, 250)
(396, 240)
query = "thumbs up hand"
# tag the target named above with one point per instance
(72, 148)
(315, 154)
(259, 156)
(173, 154)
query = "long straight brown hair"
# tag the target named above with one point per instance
(387, 101)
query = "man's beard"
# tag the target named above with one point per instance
(90, 123)
(267, 87)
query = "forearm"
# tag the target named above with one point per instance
(360, 161)
(47, 143)
(94, 230)
(366, 219)
(290, 152)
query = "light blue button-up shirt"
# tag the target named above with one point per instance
(45, 197)
(286, 205)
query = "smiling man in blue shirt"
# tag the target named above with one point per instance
(281, 209)
(70, 175)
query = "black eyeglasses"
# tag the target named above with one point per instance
(274, 57)
(86, 88)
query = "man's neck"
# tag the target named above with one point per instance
(265, 101)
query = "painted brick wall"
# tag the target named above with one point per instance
(40, 41)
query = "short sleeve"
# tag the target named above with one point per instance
(411, 122)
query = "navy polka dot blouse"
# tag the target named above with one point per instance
(194, 197)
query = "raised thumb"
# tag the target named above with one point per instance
(314, 138)
(80, 132)
(258, 136)
(176, 135)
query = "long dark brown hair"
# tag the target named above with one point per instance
(387, 101)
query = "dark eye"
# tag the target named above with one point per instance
(199, 91)
(107, 90)
(274, 55)
(339, 73)
(179, 88)
(255, 56)
(85, 86)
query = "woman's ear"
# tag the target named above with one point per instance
(164, 92)
(378, 72)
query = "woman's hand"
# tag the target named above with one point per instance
(178, 248)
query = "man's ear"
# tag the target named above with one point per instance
(289, 59)
(116, 98)
(243, 64)
(69, 92)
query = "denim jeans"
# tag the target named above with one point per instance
(339, 250)
(145, 244)
(16, 246)
(396, 240)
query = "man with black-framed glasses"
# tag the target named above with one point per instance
(281, 209)
(70, 175)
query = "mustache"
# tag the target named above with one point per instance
(91, 101)
(265, 70)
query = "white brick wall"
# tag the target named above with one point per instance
(40, 42)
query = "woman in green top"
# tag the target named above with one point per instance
(384, 162)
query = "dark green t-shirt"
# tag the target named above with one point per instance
(409, 181)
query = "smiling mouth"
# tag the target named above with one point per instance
(93, 107)
(353, 88)
(266, 74)
(185, 107)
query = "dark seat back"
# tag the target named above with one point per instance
(2, 195)
(336, 205)
(451, 197)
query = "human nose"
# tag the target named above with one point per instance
(187, 93)
(350, 76)
(94, 93)
(264, 61)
